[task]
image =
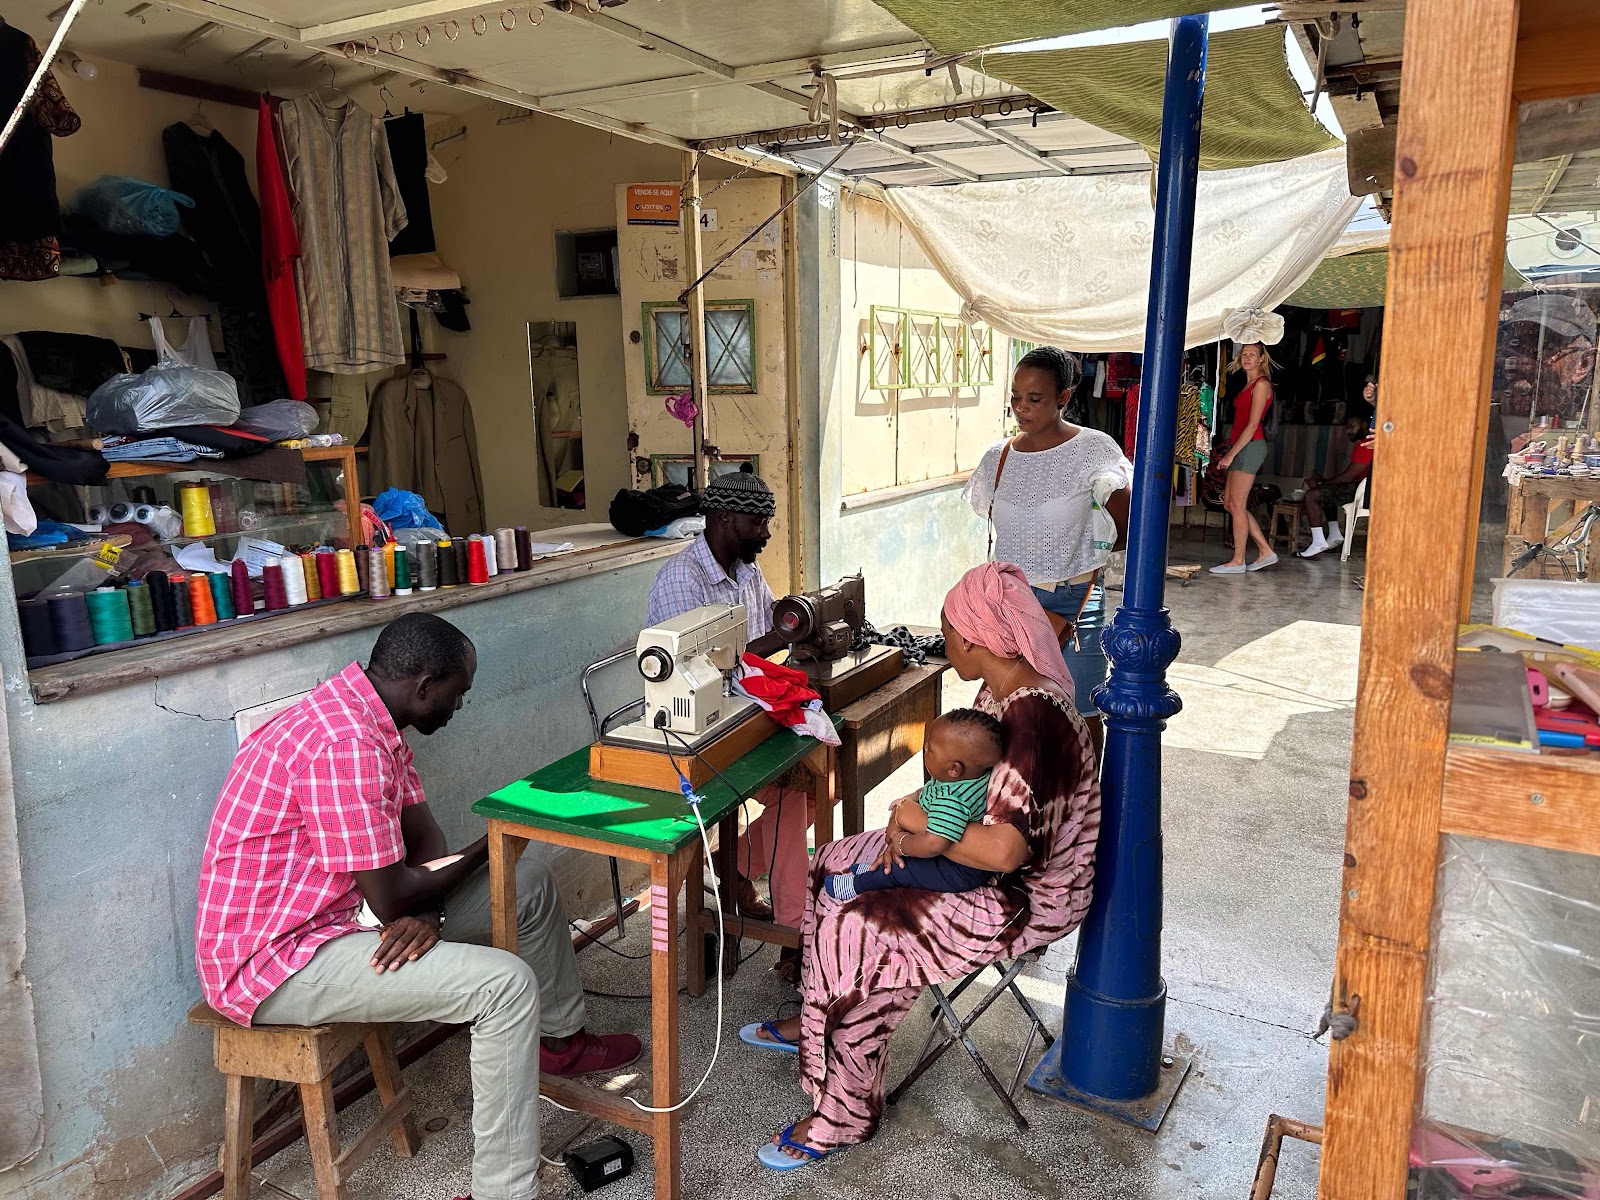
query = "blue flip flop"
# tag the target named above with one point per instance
(774, 1157)
(750, 1035)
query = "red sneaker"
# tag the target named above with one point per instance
(590, 1052)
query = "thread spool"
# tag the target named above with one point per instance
(140, 610)
(194, 502)
(244, 601)
(363, 557)
(161, 601)
(144, 513)
(109, 618)
(349, 578)
(490, 557)
(388, 564)
(201, 603)
(477, 561)
(296, 579)
(180, 601)
(427, 556)
(327, 573)
(99, 514)
(221, 596)
(377, 573)
(459, 546)
(69, 620)
(223, 510)
(402, 571)
(38, 635)
(275, 594)
(505, 549)
(313, 583)
(448, 578)
(120, 513)
(524, 548)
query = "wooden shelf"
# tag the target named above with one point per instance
(132, 470)
(1533, 799)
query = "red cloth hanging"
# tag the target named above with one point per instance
(1130, 419)
(280, 246)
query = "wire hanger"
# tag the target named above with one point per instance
(329, 94)
(198, 121)
(387, 97)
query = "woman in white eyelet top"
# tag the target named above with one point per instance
(1041, 511)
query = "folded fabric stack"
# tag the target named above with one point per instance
(155, 449)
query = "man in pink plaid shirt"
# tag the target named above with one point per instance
(322, 810)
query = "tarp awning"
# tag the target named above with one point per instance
(952, 26)
(1254, 112)
(1067, 260)
(1359, 281)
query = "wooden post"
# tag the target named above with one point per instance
(666, 876)
(1446, 251)
(694, 264)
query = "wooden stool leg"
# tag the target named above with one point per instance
(237, 1134)
(322, 1137)
(391, 1089)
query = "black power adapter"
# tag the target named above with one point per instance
(600, 1163)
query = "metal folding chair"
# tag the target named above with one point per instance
(958, 1028)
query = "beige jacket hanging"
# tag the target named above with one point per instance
(421, 439)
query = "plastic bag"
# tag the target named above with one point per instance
(169, 393)
(130, 207)
(404, 510)
(1101, 523)
(1555, 609)
(280, 420)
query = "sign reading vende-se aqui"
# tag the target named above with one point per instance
(653, 204)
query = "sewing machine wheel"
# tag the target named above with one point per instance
(655, 664)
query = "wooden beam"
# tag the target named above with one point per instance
(694, 265)
(1013, 142)
(1446, 254)
(1533, 800)
(1556, 172)
(1556, 64)
(1369, 160)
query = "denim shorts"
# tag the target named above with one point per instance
(1087, 663)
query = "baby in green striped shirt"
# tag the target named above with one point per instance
(959, 751)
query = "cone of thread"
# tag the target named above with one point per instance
(402, 572)
(447, 564)
(363, 557)
(308, 564)
(140, 610)
(109, 618)
(69, 618)
(377, 573)
(477, 561)
(524, 548)
(201, 604)
(426, 556)
(161, 604)
(327, 573)
(180, 601)
(194, 501)
(221, 596)
(244, 602)
(38, 635)
(295, 576)
(491, 558)
(505, 549)
(346, 574)
(272, 586)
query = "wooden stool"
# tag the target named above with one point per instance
(308, 1056)
(1288, 511)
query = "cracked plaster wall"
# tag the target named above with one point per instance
(114, 793)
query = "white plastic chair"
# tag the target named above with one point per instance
(1353, 512)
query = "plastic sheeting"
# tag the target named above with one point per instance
(1511, 1100)
(1067, 261)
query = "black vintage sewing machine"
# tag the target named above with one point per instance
(820, 628)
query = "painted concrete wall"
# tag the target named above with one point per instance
(912, 544)
(653, 269)
(115, 792)
(511, 188)
(121, 135)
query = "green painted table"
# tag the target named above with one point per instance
(564, 806)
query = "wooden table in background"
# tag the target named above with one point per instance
(1528, 520)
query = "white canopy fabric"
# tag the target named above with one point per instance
(1067, 260)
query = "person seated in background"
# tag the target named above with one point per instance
(1325, 497)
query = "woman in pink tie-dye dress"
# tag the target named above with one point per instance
(868, 960)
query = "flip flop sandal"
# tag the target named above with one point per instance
(750, 1035)
(774, 1157)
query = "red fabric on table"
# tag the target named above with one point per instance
(280, 247)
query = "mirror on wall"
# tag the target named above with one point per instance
(557, 412)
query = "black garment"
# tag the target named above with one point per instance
(225, 225)
(60, 464)
(408, 150)
(75, 363)
(28, 205)
(175, 260)
(452, 314)
(10, 401)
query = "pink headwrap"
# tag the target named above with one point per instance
(993, 606)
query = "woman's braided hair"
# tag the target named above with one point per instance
(1058, 362)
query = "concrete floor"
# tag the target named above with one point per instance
(1255, 770)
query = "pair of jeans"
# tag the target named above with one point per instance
(510, 1000)
(938, 874)
(1086, 661)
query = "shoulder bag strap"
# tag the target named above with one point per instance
(994, 493)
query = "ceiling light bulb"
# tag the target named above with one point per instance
(82, 68)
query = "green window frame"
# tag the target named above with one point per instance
(911, 349)
(731, 362)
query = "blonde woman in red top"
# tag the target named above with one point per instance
(1246, 455)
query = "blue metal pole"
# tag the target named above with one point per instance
(1111, 1044)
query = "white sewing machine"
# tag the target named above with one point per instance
(685, 663)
